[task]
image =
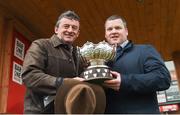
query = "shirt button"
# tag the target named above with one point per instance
(66, 47)
(70, 60)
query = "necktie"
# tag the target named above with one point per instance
(119, 52)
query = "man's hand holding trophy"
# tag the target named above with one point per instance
(96, 56)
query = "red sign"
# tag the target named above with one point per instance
(16, 90)
(167, 108)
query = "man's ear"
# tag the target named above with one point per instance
(126, 31)
(78, 33)
(56, 30)
(105, 36)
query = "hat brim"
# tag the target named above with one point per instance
(65, 88)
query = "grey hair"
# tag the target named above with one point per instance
(69, 15)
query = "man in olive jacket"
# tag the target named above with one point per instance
(48, 61)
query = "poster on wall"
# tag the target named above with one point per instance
(19, 49)
(171, 95)
(17, 69)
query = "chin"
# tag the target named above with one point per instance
(113, 43)
(68, 40)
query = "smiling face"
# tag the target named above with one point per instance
(68, 30)
(115, 31)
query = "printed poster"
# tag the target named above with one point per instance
(17, 70)
(19, 49)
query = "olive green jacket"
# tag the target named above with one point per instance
(46, 59)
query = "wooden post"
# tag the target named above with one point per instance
(6, 29)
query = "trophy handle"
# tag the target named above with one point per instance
(80, 58)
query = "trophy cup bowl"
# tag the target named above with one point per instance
(96, 55)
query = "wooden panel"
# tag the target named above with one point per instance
(2, 46)
(153, 22)
(175, 35)
(176, 58)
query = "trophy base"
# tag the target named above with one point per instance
(98, 80)
(97, 74)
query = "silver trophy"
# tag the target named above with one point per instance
(96, 56)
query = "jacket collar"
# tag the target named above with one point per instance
(124, 43)
(128, 46)
(56, 41)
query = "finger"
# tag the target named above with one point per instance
(115, 74)
(111, 81)
(78, 78)
(112, 85)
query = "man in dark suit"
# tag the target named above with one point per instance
(139, 72)
(48, 62)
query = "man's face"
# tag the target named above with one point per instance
(115, 31)
(68, 30)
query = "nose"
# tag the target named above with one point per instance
(70, 29)
(113, 30)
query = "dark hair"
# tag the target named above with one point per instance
(69, 15)
(113, 17)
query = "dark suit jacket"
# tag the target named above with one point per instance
(142, 74)
(46, 60)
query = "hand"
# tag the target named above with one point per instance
(79, 78)
(114, 83)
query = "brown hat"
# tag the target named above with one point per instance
(77, 97)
